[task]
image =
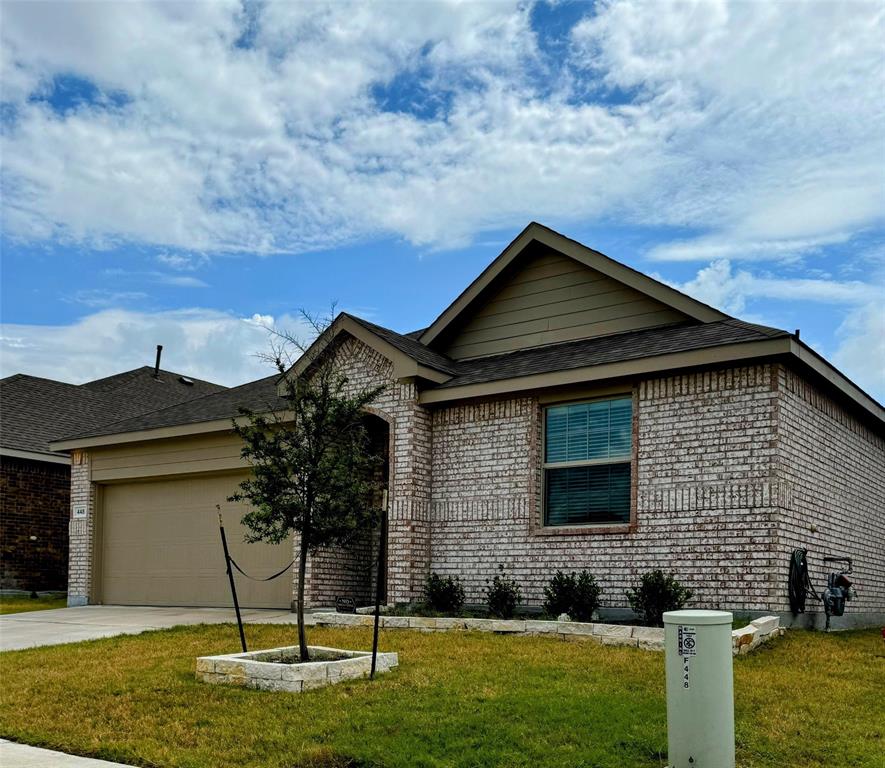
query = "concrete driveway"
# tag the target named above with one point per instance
(70, 625)
(14, 755)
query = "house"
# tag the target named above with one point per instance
(35, 481)
(565, 411)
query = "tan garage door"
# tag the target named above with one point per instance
(161, 546)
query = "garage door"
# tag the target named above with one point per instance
(160, 545)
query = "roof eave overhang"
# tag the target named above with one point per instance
(158, 433)
(813, 361)
(787, 348)
(49, 458)
(535, 232)
(404, 367)
(615, 370)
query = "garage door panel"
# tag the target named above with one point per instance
(161, 546)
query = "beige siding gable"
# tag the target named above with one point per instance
(552, 298)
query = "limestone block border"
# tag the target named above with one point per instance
(758, 631)
(275, 669)
(648, 638)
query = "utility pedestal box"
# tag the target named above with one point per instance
(700, 696)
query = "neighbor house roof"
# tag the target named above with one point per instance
(34, 411)
(704, 336)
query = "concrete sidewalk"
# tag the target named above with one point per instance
(14, 755)
(89, 622)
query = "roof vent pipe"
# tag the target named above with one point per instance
(157, 364)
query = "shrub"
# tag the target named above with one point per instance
(574, 594)
(503, 595)
(444, 593)
(586, 597)
(656, 594)
(559, 594)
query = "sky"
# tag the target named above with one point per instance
(190, 174)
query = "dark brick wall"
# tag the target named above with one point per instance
(34, 501)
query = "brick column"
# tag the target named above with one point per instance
(81, 531)
(408, 537)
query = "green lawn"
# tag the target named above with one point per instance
(23, 603)
(458, 699)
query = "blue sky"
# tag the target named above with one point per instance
(188, 174)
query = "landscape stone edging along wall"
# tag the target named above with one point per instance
(743, 640)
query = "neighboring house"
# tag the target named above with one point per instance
(564, 412)
(35, 481)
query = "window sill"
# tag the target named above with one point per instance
(592, 529)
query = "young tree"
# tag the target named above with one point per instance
(313, 468)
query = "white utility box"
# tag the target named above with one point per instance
(700, 691)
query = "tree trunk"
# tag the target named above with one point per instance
(302, 571)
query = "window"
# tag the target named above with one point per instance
(587, 454)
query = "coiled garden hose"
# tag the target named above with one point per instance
(800, 585)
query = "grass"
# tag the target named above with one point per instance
(458, 699)
(22, 603)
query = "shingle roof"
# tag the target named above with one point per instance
(608, 349)
(258, 395)
(409, 345)
(34, 411)
(261, 395)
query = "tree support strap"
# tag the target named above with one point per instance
(254, 578)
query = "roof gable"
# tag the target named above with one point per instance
(408, 356)
(545, 288)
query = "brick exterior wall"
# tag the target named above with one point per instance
(835, 467)
(81, 531)
(705, 507)
(34, 501)
(338, 573)
(733, 468)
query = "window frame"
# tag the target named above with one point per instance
(624, 526)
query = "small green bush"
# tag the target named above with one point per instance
(586, 597)
(559, 594)
(444, 593)
(656, 594)
(576, 594)
(503, 595)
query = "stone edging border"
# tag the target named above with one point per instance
(277, 669)
(649, 638)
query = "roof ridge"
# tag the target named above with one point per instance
(39, 378)
(125, 376)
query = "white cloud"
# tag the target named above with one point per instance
(183, 262)
(861, 349)
(730, 291)
(208, 344)
(101, 297)
(181, 281)
(759, 123)
(859, 345)
(719, 247)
